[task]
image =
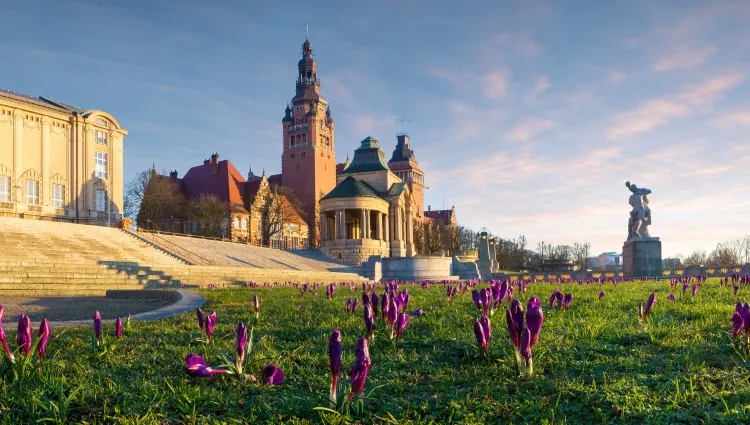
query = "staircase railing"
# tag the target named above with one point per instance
(174, 249)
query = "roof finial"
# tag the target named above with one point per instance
(307, 32)
(264, 171)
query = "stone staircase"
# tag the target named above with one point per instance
(42, 258)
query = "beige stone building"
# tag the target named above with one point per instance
(59, 162)
(370, 211)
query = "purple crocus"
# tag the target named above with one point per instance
(256, 305)
(44, 333)
(649, 304)
(334, 361)
(196, 366)
(25, 334)
(360, 368)
(567, 300)
(272, 375)
(486, 327)
(401, 322)
(392, 315)
(3, 338)
(348, 305)
(385, 303)
(374, 303)
(118, 328)
(369, 320)
(736, 288)
(210, 324)
(602, 295)
(737, 323)
(476, 298)
(355, 303)
(671, 297)
(199, 314)
(241, 342)
(695, 289)
(534, 321)
(745, 312)
(524, 349)
(98, 327)
(417, 312)
(481, 336)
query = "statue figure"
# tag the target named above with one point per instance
(640, 215)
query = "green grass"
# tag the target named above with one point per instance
(594, 363)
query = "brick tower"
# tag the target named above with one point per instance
(308, 162)
(404, 164)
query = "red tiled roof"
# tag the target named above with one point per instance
(340, 167)
(440, 216)
(227, 184)
(403, 165)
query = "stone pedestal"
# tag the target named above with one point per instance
(642, 257)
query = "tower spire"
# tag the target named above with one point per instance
(307, 32)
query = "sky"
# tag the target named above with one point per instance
(528, 116)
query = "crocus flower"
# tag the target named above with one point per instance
(486, 299)
(369, 321)
(649, 304)
(392, 315)
(481, 337)
(745, 312)
(256, 305)
(671, 297)
(640, 310)
(602, 295)
(44, 333)
(355, 303)
(695, 289)
(348, 305)
(385, 303)
(25, 334)
(401, 322)
(241, 342)
(736, 288)
(417, 312)
(567, 300)
(118, 328)
(334, 361)
(365, 299)
(196, 366)
(534, 320)
(524, 350)
(374, 303)
(272, 375)
(210, 324)
(476, 298)
(97, 327)
(737, 324)
(3, 338)
(360, 368)
(486, 327)
(199, 313)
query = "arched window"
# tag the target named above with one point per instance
(236, 222)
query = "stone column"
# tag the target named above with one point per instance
(378, 225)
(18, 158)
(362, 223)
(387, 233)
(45, 189)
(397, 225)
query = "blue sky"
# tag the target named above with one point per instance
(529, 116)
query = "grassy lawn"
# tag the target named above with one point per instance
(594, 363)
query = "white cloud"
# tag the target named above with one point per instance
(657, 112)
(735, 119)
(541, 84)
(684, 58)
(615, 77)
(495, 84)
(528, 129)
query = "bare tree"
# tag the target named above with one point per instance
(159, 200)
(210, 214)
(696, 258)
(280, 208)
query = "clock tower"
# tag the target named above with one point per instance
(308, 162)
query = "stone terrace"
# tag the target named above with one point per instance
(42, 258)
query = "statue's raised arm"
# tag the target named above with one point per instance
(637, 190)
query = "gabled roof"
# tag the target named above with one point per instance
(227, 184)
(396, 189)
(367, 158)
(352, 188)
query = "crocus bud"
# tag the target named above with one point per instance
(649, 304)
(374, 303)
(199, 314)
(360, 368)
(385, 303)
(514, 336)
(196, 366)
(98, 327)
(481, 337)
(401, 322)
(4, 339)
(118, 328)
(534, 320)
(736, 288)
(44, 333)
(368, 318)
(272, 375)
(737, 324)
(241, 342)
(210, 324)
(486, 327)
(671, 297)
(602, 295)
(256, 305)
(25, 334)
(334, 361)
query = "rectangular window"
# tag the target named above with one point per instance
(101, 137)
(101, 200)
(101, 165)
(32, 192)
(58, 195)
(4, 189)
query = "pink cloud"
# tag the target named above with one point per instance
(734, 120)
(528, 129)
(541, 84)
(657, 112)
(615, 77)
(495, 84)
(684, 58)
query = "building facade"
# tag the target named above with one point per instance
(308, 160)
(371, 211)
(59, 162)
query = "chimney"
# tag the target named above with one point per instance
(215, 163)
(429, 208)
(173, 175)
(205, 162)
